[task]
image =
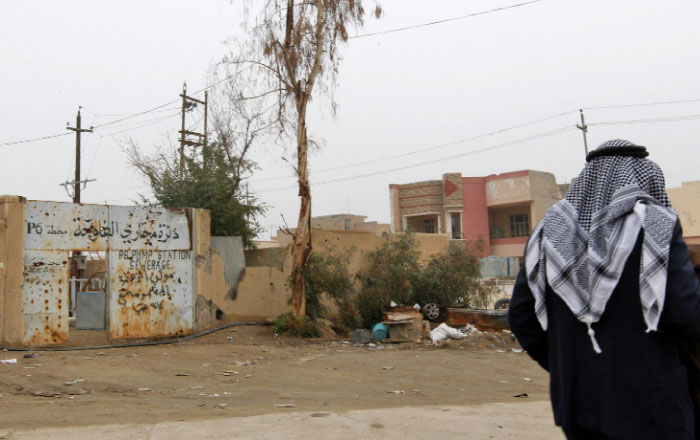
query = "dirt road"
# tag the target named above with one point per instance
(246, 371)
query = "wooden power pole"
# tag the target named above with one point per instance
(584, 128)
(189, 102)
(77, 182)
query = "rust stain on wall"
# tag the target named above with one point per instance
(45, 307)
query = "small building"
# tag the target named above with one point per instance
(500, 209)
(339, 222)
(686, 200)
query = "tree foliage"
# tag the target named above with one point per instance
(210, 183)
(451, 276)
(329, 273)
(394, 272)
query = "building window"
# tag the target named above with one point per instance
(519, 225)
(456, 220)
(429, 226)
(347, 224)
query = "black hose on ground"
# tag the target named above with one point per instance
(139, 344)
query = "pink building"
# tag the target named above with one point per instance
(501, 209)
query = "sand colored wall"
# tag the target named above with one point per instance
(263, 293)
(507, 188)
(335, 221)
(508, 249)
(686, 200)
(12, 272)
(394, 207)
(545, 192)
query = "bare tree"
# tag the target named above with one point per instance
(290, 55)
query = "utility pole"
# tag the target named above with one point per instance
(188, 103)
(584, 128)
(78, 130)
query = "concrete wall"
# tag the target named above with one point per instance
(475, 215)
(263, 293)
(545, 192)
(686, 200)
(336, 221)
(508, 188)
(11, 272)
(508, 247)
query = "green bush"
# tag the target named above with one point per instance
(390, 275)
(302, 327)
(395, 273)
(450, 277)
(329, 273)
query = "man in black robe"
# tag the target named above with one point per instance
(605, 299)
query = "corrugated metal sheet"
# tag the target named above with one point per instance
(151, 268)
(231, 251)
(71, 227)
(151, 293)
(67, 226)
(45, 309)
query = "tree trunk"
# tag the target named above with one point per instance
(301, 247)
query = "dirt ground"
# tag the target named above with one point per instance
(247, 371)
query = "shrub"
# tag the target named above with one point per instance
(329, 273)
(301, 327)
(450, 277)
(394, 273)
(389, 276)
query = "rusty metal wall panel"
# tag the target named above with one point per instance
(45, 309)
(151, 268)
(231, 251)
(66, 226)
(151, 293)
(140, 227)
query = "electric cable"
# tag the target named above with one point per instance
(435, 147)
(649, 120)
(24, 141)
(416, 165)
(405, 28)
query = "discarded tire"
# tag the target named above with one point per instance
(431, 311)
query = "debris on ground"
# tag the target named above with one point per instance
(443, 331)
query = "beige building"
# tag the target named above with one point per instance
(686, 200)
(500, 209)
(339, 222)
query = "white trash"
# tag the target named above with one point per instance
(444, 331)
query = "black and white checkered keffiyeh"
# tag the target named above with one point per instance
(581, 246)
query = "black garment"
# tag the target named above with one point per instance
(637, 388)
(584, 434)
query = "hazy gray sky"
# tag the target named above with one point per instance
(419, 94)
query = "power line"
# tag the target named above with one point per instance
(137, 114)
(405, 28)
(645, 104)
(24, 141)
(141, 122)
(443, 159)
(140, 126)
(113, 115)
(422, 150)
(650, 120)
